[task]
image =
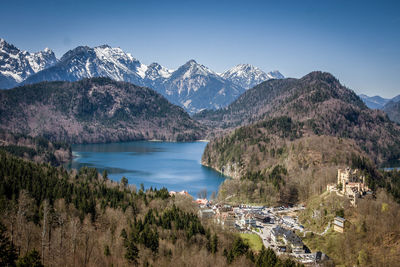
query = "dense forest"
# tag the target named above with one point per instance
(80, 218)
(278, 161)
(37, 149)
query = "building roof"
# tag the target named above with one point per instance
(261, 217)
(337, 218)
(292, 238)
(277, 231)
(201, 201)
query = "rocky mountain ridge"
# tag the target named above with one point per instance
(16, 65)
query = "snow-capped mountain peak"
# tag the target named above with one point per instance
(192, 68)
(42, 59)
(16, 65)
(9, 48)
(155, 71)
(247, 76)
(196, 87)
(106, 51)
(275, 75)
(117, 63)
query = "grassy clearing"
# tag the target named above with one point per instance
(253, 240)
(328, 243)
(321, 210)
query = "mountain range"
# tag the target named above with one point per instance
(374, 102)
(390, 106)
(191, 86)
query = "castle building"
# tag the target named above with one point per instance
(350, 183)
(349, 178)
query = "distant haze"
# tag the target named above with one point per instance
(357, 41)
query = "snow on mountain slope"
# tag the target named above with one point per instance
(196, 87)
(155, 71)
(16, 65)
(87, 62)
(248, 76)
(192, 86)
(191, 77)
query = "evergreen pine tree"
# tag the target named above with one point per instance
(8, 254)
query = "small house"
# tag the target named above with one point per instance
(339, 224)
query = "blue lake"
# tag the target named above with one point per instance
(175, 166)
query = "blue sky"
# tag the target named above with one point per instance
(357, 41)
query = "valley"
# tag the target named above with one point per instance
(115, 161)
(199, 133)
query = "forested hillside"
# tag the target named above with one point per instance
(80, 218)
(296, 135)
(304, 131)
(371, 234)
(274, 162)
(94, 110)
(37, 149)
(318, 105)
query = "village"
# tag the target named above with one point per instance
(279, 227)
(276, 226)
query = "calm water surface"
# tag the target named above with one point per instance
(157, 164)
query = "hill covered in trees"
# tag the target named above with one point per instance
(316, 104)
(299, 133)
(94, 110)
(273, 166)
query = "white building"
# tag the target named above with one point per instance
(247, 220)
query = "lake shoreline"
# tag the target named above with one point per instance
(174, 165)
